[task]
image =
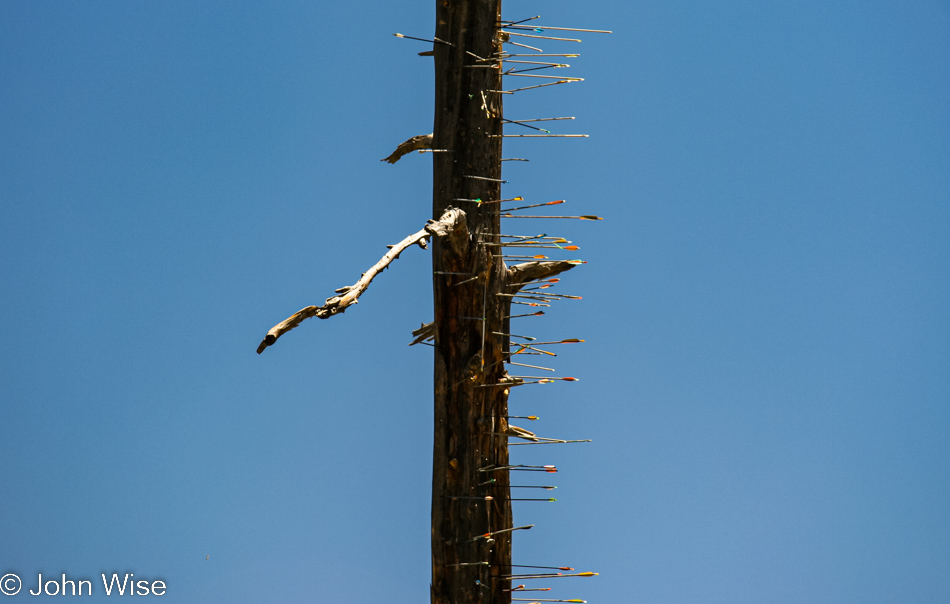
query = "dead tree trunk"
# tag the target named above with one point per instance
(469, 410)
(472, 288)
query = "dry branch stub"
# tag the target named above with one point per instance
(416, 143)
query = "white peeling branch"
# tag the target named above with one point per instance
(416, 143)
(452, 220)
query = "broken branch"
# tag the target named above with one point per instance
(416, 143)
(533, 271)
(425, 333)
(452, 221)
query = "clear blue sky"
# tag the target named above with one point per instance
(767, 367)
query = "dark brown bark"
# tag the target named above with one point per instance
(469, 410)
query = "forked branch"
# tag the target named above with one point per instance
(451, 221)
(425, 333)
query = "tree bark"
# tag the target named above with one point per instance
(470, 409)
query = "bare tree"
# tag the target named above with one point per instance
(473, 289)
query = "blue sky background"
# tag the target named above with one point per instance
(767, 365)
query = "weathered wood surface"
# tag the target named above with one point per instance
(451, 220)
(469, 411)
